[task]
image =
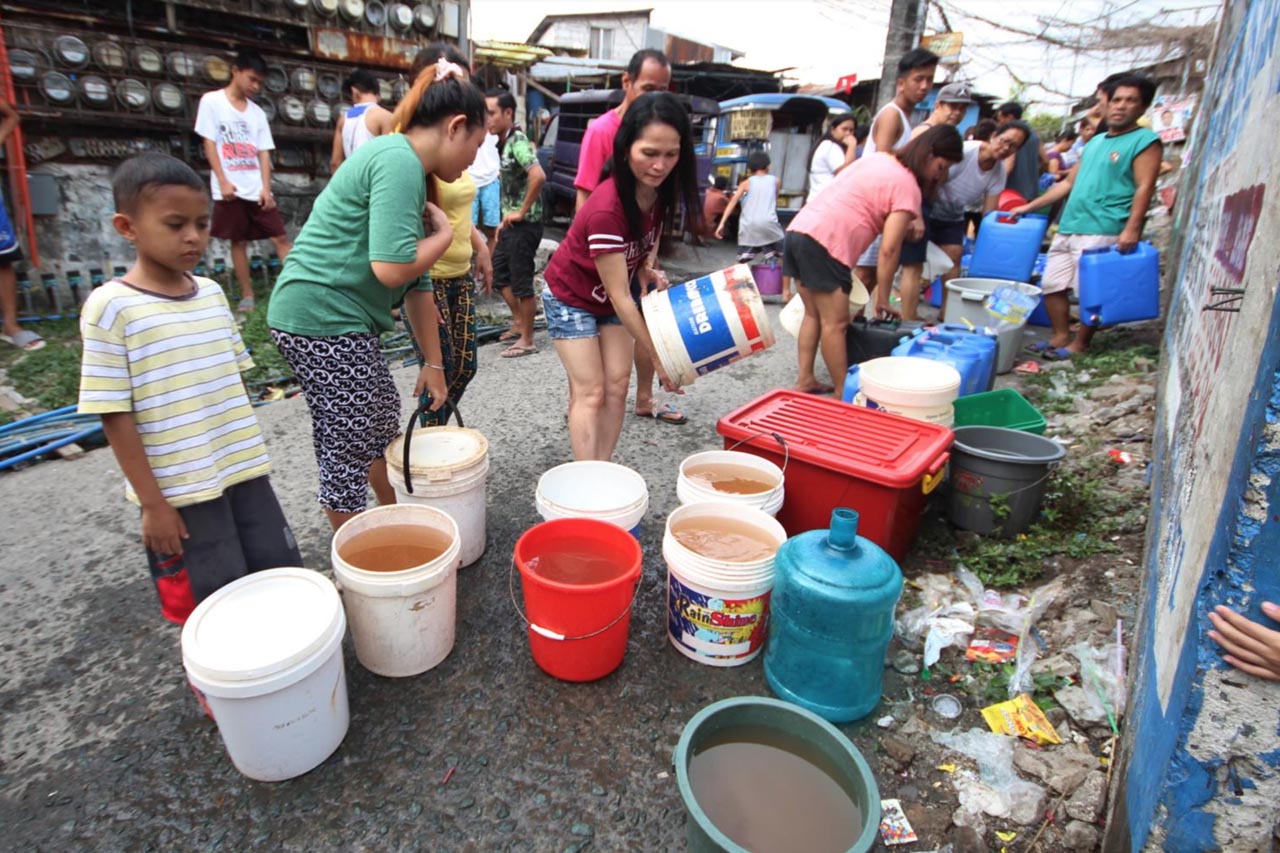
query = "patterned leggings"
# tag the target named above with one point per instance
(355, 410)
(455, 300)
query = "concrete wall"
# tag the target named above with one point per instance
(1200, 760)
(575, 34)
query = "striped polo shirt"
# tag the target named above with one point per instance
(175, 363)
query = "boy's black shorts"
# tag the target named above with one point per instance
(514, 257)
(241, 532)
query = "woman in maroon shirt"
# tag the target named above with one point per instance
(592, 315)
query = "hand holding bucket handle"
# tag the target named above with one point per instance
(449, 408)
(553, 635)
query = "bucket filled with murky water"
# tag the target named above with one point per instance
(765, 776)
(579, 578)
(720, 569)
(397, 567)
(730, 476)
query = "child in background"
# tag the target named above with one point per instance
(759, 232)
(715, 201)
(162, 364)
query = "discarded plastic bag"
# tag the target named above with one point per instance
(998, 791)
(1102, 677)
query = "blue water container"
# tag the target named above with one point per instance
(1119, 288)
(986, 343)
(831, 620)
(1040, 316)
(1007, 247)
(969, 354)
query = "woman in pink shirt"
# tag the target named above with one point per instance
(592, 316)
(879, 193)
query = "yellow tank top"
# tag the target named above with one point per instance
(456, 199)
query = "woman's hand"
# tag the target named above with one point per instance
(431, 380)
(651, 279)
(1250, 647)
(484, 270)
(886, 311)
(668, 384)
(720, 231)
(915, 230)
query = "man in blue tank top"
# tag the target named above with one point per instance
(1107, 194)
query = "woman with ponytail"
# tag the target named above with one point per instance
(592, 318)
(362, 250)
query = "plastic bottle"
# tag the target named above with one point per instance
(831, 620)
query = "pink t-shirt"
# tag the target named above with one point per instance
(599, 228)
(850, 213)
(597, 148)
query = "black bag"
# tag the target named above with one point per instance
(868, 339)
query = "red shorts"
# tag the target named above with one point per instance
(240, 221)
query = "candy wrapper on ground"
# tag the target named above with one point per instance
(894, 826)
(991, 645)
(1020, 717)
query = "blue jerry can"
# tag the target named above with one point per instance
(1119, 288)
(831, 619)
(1007, 247)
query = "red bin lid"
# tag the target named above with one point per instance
(886, 449)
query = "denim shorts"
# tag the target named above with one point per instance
(567, 323)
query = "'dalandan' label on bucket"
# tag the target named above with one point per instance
(716, 627)
(705, 328)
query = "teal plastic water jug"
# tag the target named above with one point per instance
(831, 619)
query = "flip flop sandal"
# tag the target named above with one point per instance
(1060, 354)
(820, 389)
(518, 352)
(509, 335)
(1039, 347)
(667, 414)
(25, 340)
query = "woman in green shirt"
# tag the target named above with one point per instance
(361, 251)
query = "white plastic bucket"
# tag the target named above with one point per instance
(448, 469)
(692, 491)
(792, 313)
(718, 611)
(967, 304)
(266, 652)
(707, 323)
(602, 490)
(918, 388)
(402, 622)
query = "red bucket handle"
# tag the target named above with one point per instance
(553, 635)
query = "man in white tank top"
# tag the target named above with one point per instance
(362, 121)
(891, 130)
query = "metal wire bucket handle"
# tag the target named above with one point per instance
(552, 635)
(786, 454)
(449, 408)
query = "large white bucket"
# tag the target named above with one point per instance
(967, 303)
(707, 323)
(918, 388)
(718, 611)
(602, 490)
(402, 622)
(690, 490)
(448, 468)
(266, 652)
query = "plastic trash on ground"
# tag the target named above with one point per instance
(940, 621)
(997, 791)
(894, 826)
(1020, 717)
(1015, 614)
(1102, 677)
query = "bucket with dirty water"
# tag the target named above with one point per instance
(266, 653)
(720, 570)
(730, 476)
(605, 491)
(445, 467)
(397, 566)
(765, 776)
(704, 324)
(998, 478)
(579, 578)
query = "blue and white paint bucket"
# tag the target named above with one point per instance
(601, 490)
(706, 323)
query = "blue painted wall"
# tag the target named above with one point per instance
(1200, 760)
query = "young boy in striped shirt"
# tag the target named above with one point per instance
(162, 363)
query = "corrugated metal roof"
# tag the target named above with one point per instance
(509, 54)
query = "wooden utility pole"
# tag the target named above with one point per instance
(906, 24)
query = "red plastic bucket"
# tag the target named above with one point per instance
(578, 631)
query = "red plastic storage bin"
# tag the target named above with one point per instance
(879, 464)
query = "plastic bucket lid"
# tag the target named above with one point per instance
(408, 581)
(909, 381)
(441, 454)
(262, 632)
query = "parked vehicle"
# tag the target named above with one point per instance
(786, 127)
(558, 152)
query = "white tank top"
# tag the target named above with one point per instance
(869, 147)
(354, 130)
(758, 224)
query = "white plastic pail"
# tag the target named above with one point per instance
(448, 468)
(718, 611)
(266, 652)
(918, 388)
(693, 491)
(603, 490)
(402, 622)
(706, 323)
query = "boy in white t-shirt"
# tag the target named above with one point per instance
(238, 145)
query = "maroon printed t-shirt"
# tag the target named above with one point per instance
(599, 228)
